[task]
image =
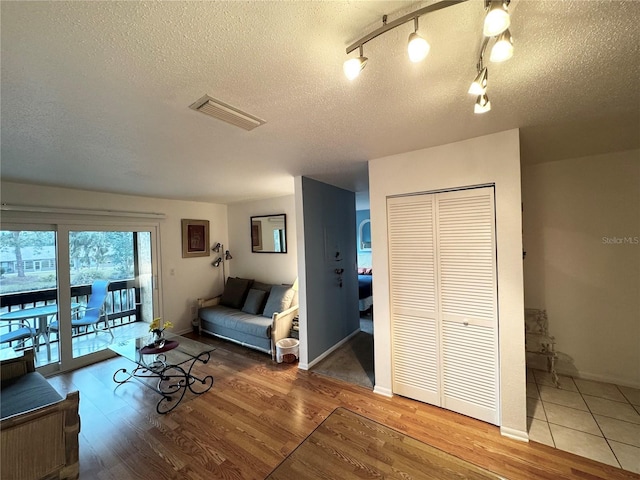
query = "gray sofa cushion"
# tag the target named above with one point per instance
(236, 320)
(279, 300)
(235, 292)
(266, 287)
(25, 393)
(254, 302)
(258, 343)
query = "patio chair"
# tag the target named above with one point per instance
(95, 311)
(18, 331)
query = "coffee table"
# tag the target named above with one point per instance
(171, 366)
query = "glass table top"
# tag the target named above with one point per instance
(187, 348)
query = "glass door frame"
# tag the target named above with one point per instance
(62, 227)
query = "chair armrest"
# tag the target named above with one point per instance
(16, 367)
(52, 429)
(9, 324)
(208, 302)
(281, 326)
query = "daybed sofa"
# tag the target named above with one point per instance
(39, 428)
(251, 313)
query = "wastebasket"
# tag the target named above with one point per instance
(287, 350)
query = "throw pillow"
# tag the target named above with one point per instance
(262, 286)
(255, 300)
(279, 300)
(234, 292)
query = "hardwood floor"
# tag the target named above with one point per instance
(373, 451)
(258, 412)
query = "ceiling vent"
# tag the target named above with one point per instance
(217, 109)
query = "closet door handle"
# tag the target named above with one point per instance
(465, 323)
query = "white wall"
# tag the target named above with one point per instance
(483, 160)
(589, 282)
(183, 279)
(265, 267)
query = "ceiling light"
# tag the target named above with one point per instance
(503, 48)
(418, 47)
(495, 29)
(497, 19)
(479, 85)
(483, 104)
(354, 66)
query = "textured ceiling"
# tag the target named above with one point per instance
(95, 95)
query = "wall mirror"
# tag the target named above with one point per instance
(269, 233)
(364, 235)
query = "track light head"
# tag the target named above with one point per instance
(227, 255)
(479, 85)
(502, 50)
(418, 48)
(216, 247)
(216, 262)
(354, 66)
(497, 19)
(482, 105)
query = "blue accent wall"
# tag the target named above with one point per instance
(330, 244)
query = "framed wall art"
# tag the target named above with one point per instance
(256, 235)
(195, 238)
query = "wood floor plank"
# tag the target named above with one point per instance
(259, 411)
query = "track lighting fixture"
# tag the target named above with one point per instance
(226, 255)
(496, 24)
(479, 85)
(354, 66)
(497, 19)
(483, 104)
(503, 48)
(418, 47)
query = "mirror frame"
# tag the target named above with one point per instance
(257, 235)
(364, 246)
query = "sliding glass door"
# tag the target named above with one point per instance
(80, 287)
(28, 290)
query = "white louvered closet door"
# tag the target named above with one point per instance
(443, 300)
(468, 312)
(413, 298)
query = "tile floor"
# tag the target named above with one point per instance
(596, 420)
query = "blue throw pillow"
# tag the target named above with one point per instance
(255, 300)
(279, 300)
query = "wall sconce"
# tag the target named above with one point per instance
(218, 247)
(495, 25)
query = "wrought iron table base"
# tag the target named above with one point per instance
(173, 380)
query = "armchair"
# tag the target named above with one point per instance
(95, 311)
(17, 331)
(38, 428)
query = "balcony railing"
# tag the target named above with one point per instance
(121, 305)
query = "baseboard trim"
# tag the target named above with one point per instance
(384, 391)
(331, 350)
(514, 434)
